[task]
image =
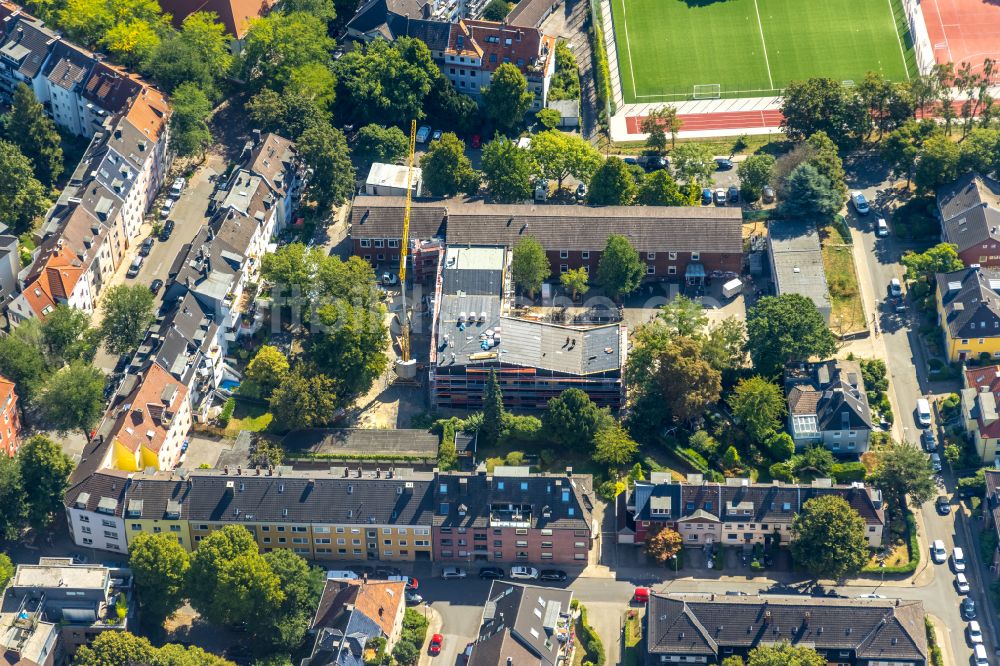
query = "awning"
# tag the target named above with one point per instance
(694, 270)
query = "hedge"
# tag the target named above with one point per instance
(848, 472)
(602, 72)
(913, 546)
(937, 659)
(590, 641)
(693, 458)
(227, 412)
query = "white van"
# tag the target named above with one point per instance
(923, 413)
(958, 559)
(341, 575)
(881, 228)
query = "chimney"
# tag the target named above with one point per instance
(569, 471)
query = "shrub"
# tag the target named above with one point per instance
(602, 72)
(609, 490)
(590, 641)
(226, 415)
(849, 472)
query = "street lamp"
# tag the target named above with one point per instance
(674, 558)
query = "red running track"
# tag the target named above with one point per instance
(963, 30)
(716, 121)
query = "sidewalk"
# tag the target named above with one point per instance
(435, 623)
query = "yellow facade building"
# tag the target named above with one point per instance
(968, 306)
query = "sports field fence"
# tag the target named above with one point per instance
(923, 50)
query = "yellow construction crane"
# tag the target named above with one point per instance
(404, 248)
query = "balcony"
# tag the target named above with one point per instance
(510, 515)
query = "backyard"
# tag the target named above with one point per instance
(847, 313)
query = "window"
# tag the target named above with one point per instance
(579, 556)
(365, 243)
(524, 485)
(379, 243)
(108, 523)
(421, 542)
(651, 270)
(300, 540)
(175, 528)
(671, 255)
(135, 526)
(563, 254)
(671, 270)
(300, 530)
(563, 268)
(84, 519)
(650, 256)
(521, 544)
(86, 530)
(341, 542)
(88, 541)
(521, 532)
(546, 532)
(545, 544)
(695, 256)
(585, 255)
(546, 556)
(108, 534)
(579, 544)
(965, 342)
(386, 542)
(386, 530)
(321, 530)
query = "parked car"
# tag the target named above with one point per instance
(767, 194)
(423, 133)
(975, 633)
(961, 583)
(177, 187)
(491, 573)
(389, 279)
(476, 142)
(895, 288)
(411, 583)
(928, 440)
(523, 573)
(723, 163)
(168, 228)
(413, 599)
(720, 197)
(581, 192)
(942, 505)
(435, 647)
(980, 657)
(631, 161)
(871, 596)
(552, 574)
(146, 247)
(734, 194)
(133, 269)
(436, 135)
(968, 608)
(453, 572)
(166, 208)
(938, 552)
(936, 462)
(641, 595)
(706, 197)
(155, 286)
(958, 559)
(923, 413)
(653, 162)
(860, 203)
(881, 228)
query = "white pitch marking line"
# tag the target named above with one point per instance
(899, 41)
(763, 44)
(628, 47)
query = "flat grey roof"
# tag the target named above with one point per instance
(797, 262)
(364, 442)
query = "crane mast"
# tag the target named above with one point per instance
(404, 247)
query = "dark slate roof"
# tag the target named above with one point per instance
(970, 210)
(364, 442)
(499, 648)
(158, 498)
(576, 228)
(707, 624)
(109, 88)
(464, 500)
(89, 490)
(432, 33)
(770, 502)
(374, 14)
(971, 302)
(532, 615)
(833, 391)
(68, 66)
(28, 44)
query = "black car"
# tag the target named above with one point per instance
(156, 285)
(927, 439)
(491, 573)
(146, 246)
(385, 572)
(168, 228)
(552, 574)
(653, 162)
(942, 505)
(733, 194)
(724, 163)
(968, 609)
(630, 161)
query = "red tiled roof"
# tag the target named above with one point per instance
(142, 423)
(54, 281)
(525, 43)
(234, 14)
(986, 380)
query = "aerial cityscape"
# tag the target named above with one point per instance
(499, 333)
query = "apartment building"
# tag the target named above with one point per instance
(52, 608)
(526, 625)
(970, 219)
(991, 514)
(980, 403)
(708, 628)
(735, 513)
(968, 307)
(95, 508)
(10, 409)
(512, 515)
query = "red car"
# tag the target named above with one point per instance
(641, 595)
(435, 646)
(477, 142)
(412, 584)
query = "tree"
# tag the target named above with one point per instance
(683, 317)
(268, 369)
(902, 471)
(20, 361)
(754, 173)
(656, 124)
(980, 151)
(45, 471)
(620, 270)
(72, 399)
(786, 328)
(229, 581)
(694, 162)
(825, 158)
(508, 170)
(324, 149)
(735, 660)
(576, 281)
(302, 401)
(660, 189)
(809, 195)
(612, 184)
(784, 654)
(376, 143)
(496, 10)
(159, 566)
(34, 133)
(281, 47)
(114, 648)
(493, 413)
(889, 104)
(302, 586)
(824, 105)
(901, 147)
(942, 258)
(198, 54)
(22, 197)
(12, 498)
(129, 30)
(814, 463)
(758, 406)
(687, 384)
(189, 122)
(559, 155)
(571, 419)
(173, 654)
(289, 114)
(507, 99)
(549, 118)
(348, 343)
(68, 337)
(384, 83)
(446, 169)
(613, 446)
(829, 538)
(291, 272)
(128, 311)
(780, 446)
(6, 570)
(937, 164)
(529, 266)
(446, 107)
(664, 545)
(725, 346)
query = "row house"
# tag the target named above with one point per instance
(980, 404)
(50, 609)
(735, 513)
(709, 628)
(10, 428)
(675, 242)
(390, 515)
(970, 219)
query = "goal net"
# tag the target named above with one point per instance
(707, 91)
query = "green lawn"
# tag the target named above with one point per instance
(753, 48)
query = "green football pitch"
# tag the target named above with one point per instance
(753, 48)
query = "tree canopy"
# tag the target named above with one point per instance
(612, 184)
(560, 155)
(829, 538)
(620, 270)
(446, 169)
(824, 105)
(159, 566)
(508, 170)
(44, 477)
(128, 311)
(376, 143)
(189, 131)
(687, 383)
(22, 196)
(901, 471)
(34, 133)
(758, 406)
(784, 654)
(942, 258)
(572, 419)
(694, 162)
(324, 149)
(786, 328)
(754, 173)
(72, 398)
(507, 98)
(529, 266)
(663, 545)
